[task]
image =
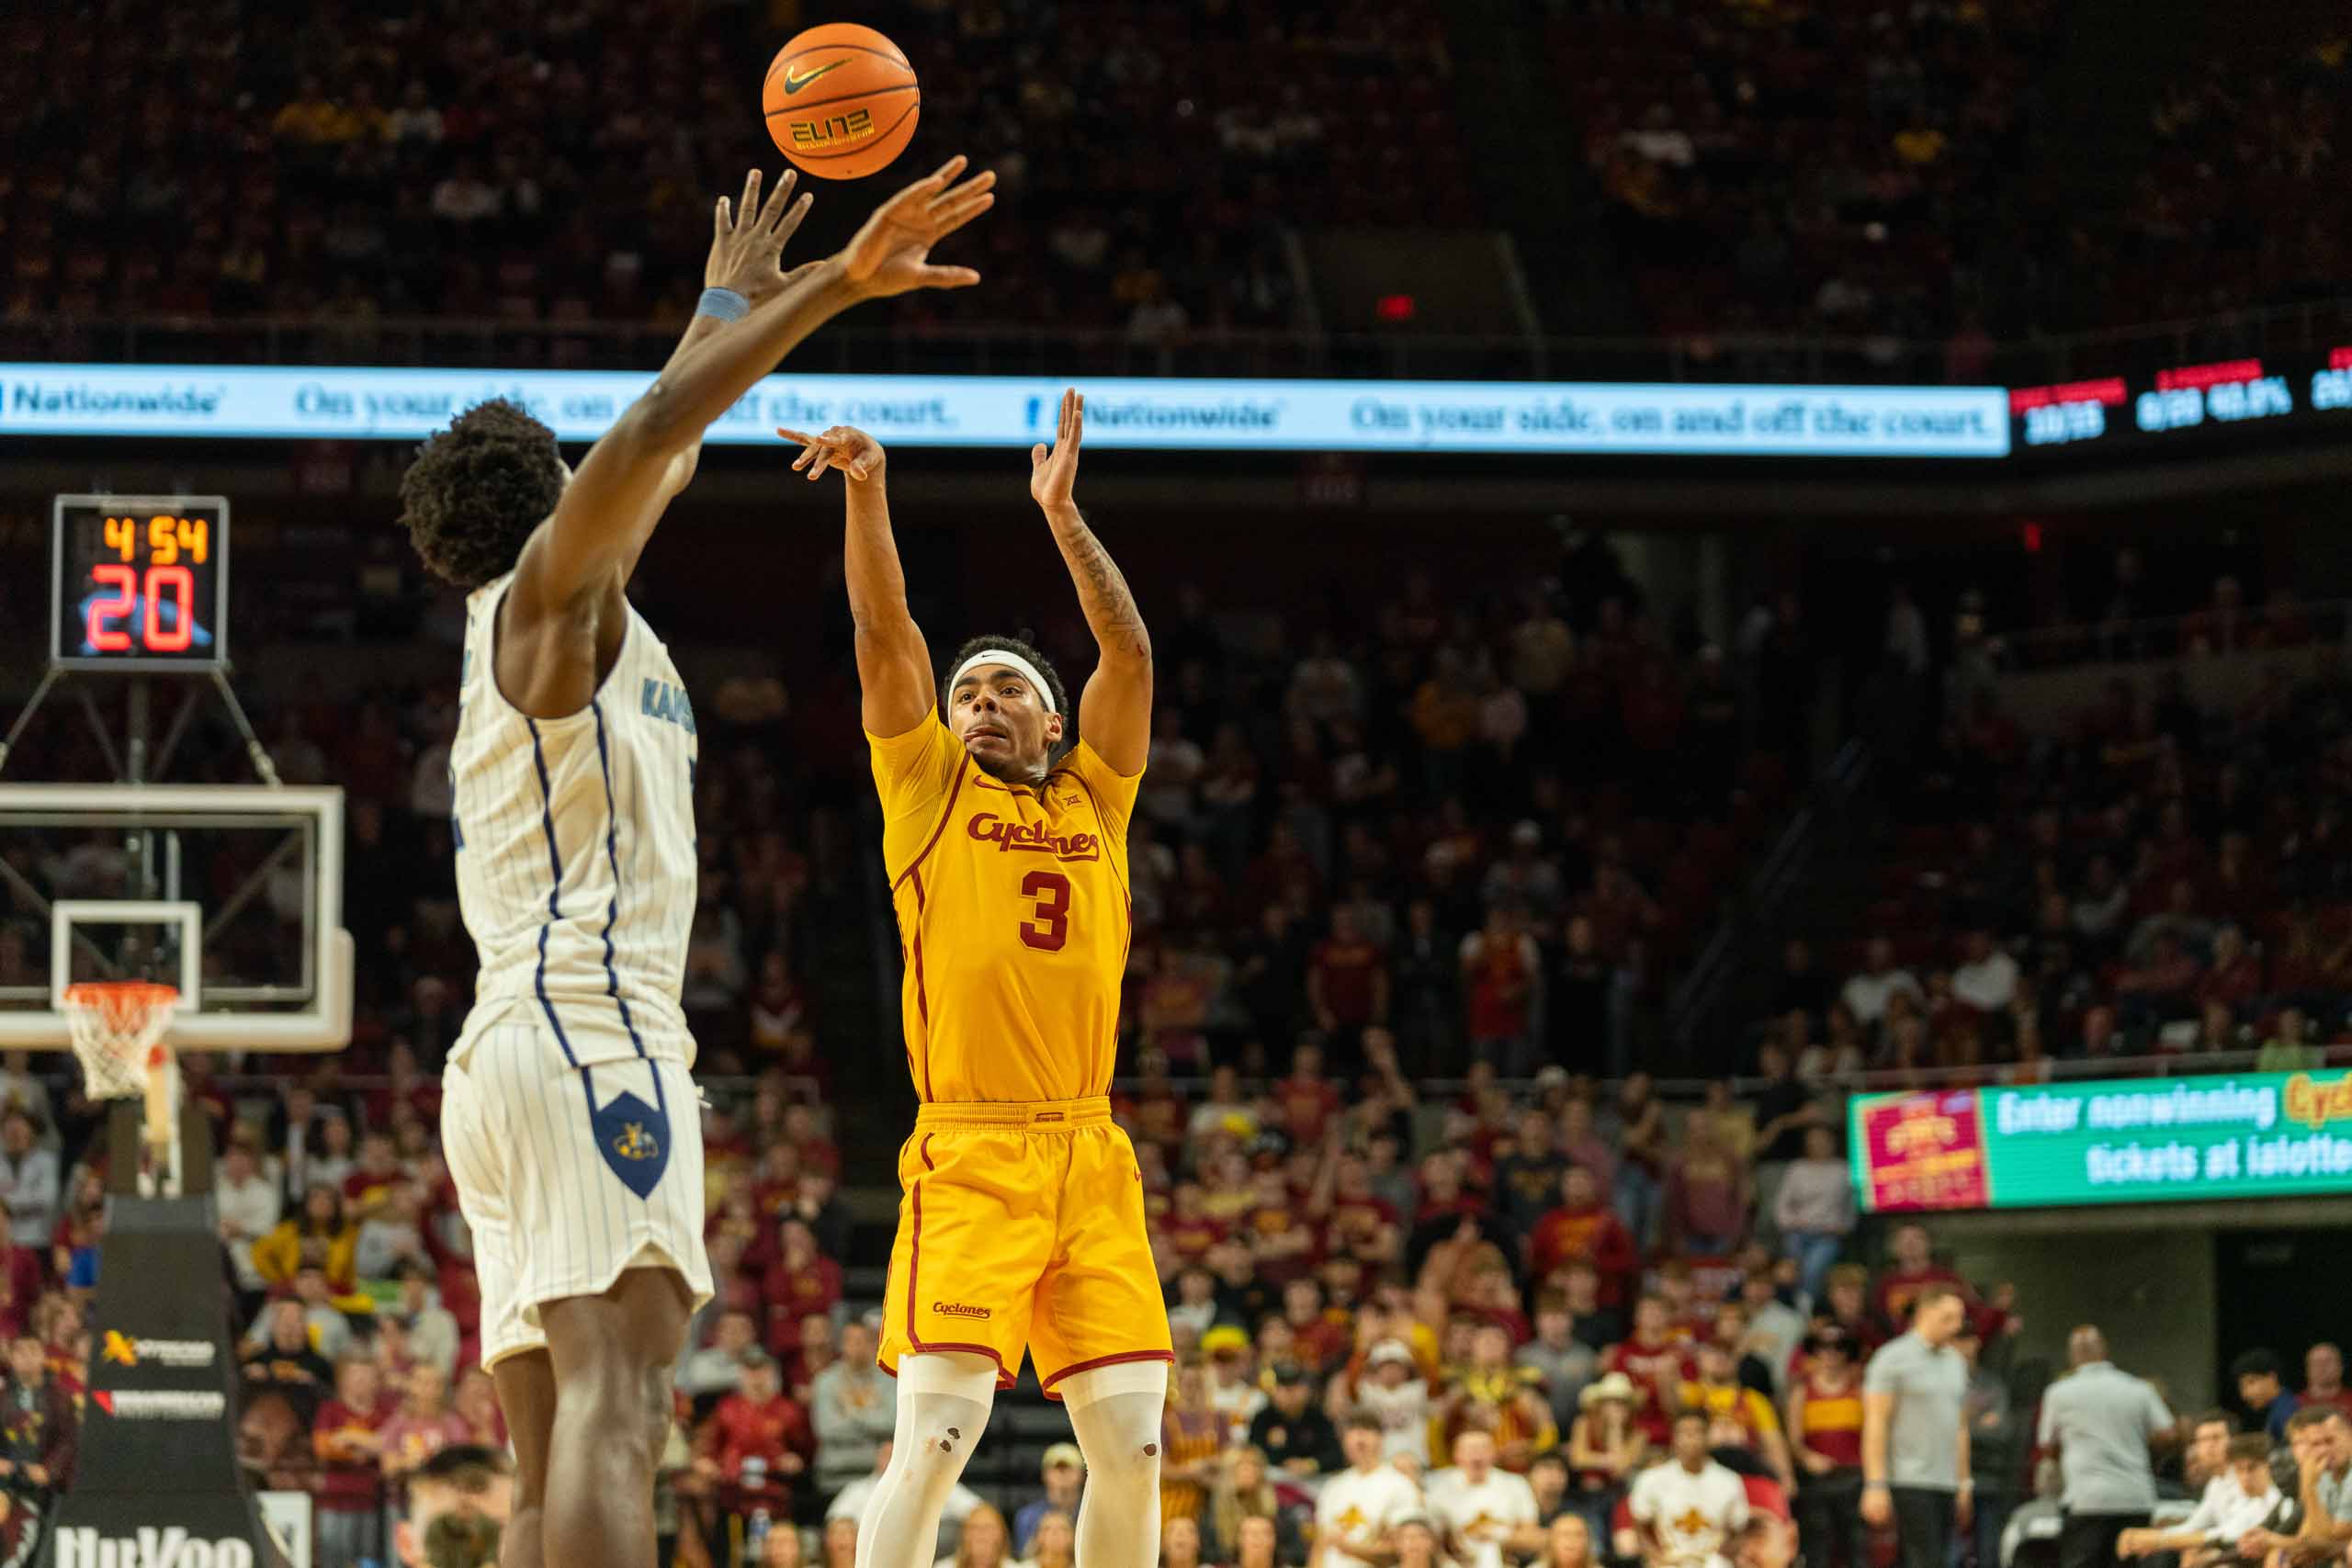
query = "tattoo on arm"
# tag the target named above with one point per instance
(1102, 590)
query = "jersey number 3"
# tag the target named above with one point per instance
(1050, 928)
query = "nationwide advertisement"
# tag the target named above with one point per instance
(2137, 1141)
(181, 401)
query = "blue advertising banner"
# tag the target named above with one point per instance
(322, 402)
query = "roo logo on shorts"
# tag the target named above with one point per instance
(633, 1137)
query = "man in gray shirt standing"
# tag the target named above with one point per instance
(2101, 1423)
(854, 1411)
(1916, 1472)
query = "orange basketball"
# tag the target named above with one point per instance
(840, 100)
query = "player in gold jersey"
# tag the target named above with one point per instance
(1021, 1228)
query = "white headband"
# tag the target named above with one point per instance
(998, 656)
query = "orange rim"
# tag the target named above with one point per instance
(123, 1010)
(119, 994)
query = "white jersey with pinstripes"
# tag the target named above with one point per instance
(568, 1116)
(575, 847)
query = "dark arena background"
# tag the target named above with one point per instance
(1752, 730)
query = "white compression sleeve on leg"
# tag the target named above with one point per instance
(943, 1401)
(1115, 1411)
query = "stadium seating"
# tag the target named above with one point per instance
(351, 181)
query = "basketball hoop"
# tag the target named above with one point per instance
(119, 1035)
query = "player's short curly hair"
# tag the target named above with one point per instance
(1055, 690)
(476, 490)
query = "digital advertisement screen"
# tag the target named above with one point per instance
(2126, 1141)
(1532, 417)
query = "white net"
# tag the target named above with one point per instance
(118, 1033)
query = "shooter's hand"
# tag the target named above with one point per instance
(857, 455)
(1053, 472)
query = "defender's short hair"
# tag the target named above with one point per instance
(475, 490)
(2250, 1446)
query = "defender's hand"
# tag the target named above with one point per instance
(891, 254)
(857, 455)
(747, 238)
(1053, 475)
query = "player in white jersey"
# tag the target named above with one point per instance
(568, 1115)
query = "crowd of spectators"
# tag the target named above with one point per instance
(1452, 842)
(1860, 170)
(1489, 824)
(1848, 168)
(554, 161)
(349, 1274)
(2158, 877)
(1870, 173)
(1537, 1287)
(1623, 1354)
(1403, 845)
(2220, 215)
(1482, 1345)
(1475, 833)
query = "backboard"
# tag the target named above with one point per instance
(233, 892)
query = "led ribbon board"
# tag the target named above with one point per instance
(189, 402)
(2129, 1141)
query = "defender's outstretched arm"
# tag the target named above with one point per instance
(612, 504)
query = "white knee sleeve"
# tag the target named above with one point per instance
(944, 1402)
(1118, 1518)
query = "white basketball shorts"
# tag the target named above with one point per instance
(569, 1173)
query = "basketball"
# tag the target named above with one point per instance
(840, 100)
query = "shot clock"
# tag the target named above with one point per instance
(138, 582)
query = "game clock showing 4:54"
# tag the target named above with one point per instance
(138, 582)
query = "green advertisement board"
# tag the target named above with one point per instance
(2118, 1141)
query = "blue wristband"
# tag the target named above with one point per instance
(724, 303)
